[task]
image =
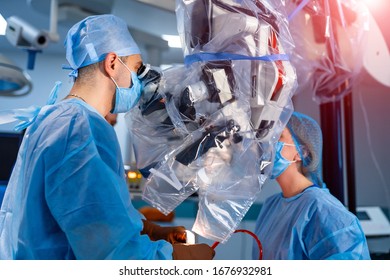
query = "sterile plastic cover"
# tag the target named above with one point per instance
(330, 37)
(219, 142)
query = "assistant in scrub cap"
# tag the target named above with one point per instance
(90, 40)
(307, 136)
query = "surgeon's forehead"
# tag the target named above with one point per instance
(138, 64)
(286, 136)
(134, 61)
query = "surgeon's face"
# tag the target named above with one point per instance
(286, 136)
(133, 62)
(288, 151)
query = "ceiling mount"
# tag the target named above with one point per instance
(72, 11)
(169, 5)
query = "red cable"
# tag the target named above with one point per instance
(251, 234)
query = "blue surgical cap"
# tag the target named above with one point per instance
(307, 136)
(90, 40)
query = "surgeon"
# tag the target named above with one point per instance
(304, 221)
(67, 197)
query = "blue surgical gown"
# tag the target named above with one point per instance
(67, 197)
(312, 225)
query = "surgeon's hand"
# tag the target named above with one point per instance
(171, 234)
(192, 252)
(154, 215)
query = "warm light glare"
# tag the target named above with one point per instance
(374, 3)
(3, 25)
(132, 175)
(173, 41)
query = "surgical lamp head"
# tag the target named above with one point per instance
(21, 34)
(90, 40)
(13, 80)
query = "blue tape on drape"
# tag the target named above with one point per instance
(206, 56)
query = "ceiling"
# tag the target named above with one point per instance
(147, 20)
(143, 17)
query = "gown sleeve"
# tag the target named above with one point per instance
(90, 201)
(347, 243)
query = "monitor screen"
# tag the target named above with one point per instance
(9, 147)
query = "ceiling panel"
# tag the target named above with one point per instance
(163, 4)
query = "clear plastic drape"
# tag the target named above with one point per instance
(329, 38)
(209, 127)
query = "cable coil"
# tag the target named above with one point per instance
(251, 234)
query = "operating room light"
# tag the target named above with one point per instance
(134, 175)
(3, 25)
(13, 80)
(173, 41)
(374, 3)
(371, 1)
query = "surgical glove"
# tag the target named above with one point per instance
(170, 234)
(154, 215)
(192, 252)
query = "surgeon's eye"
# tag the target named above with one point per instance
(141, 70)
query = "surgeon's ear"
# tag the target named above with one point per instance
(110, 63)
(297, 157)
(304, 151)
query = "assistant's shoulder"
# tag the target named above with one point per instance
(321, 197)
(325, 206)
(273, 199)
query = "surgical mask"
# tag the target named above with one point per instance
(280, 163)
(127, 98)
